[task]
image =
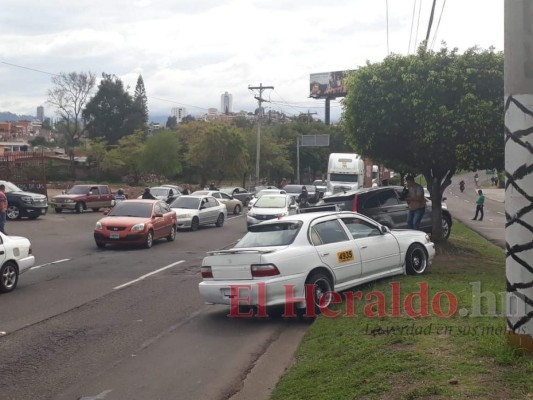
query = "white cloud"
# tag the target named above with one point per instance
(191, 52)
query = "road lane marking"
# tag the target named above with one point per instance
(500, 213)
(100, 396)
(147, 275)
(50, 263)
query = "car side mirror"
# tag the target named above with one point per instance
(384, 229)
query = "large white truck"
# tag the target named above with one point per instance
(346, 172)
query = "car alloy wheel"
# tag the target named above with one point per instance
(13, 212)
(321, 286)
(237, 210)
(195, 223)
(8, 277)
(416, 260)
(149, 239)
(172, 235)
(220, 220)
(446, 230)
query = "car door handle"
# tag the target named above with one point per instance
(325, 253)
(364, 246)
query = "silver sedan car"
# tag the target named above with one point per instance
(194, 211)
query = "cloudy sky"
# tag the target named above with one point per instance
(190, 52)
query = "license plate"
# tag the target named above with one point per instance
(43, 210)
(114, 236)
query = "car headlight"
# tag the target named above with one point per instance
(184, 216)
(138, 227)
(26, 199)
(98, 226)
(69, 201)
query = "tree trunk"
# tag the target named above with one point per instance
(437, 182)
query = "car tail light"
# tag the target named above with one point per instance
(354, 204)
(206, 272)
(262, 270)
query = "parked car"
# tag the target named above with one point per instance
(234, 206)
(333, 251)
(136, 222)
(23, 204)
(270, 206)
(296, 190)
(195, 211)
(83, 197)
(262, 192)
(238, 193)
(385, 204)
(15, 258)
(167, 193)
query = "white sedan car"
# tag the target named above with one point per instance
(270, 206)
(15, 258)
(330, 251)
(194, 211)
(263, 192)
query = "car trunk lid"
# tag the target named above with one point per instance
(234, 264)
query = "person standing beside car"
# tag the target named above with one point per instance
(416, 203)
(3, 209)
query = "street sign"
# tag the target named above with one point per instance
(314, 140)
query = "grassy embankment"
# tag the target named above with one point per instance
(428, 357)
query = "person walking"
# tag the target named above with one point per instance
(476, 179)
(479, 205)
(416, 203)
(3, 209)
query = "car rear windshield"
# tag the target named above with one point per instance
(264, 235)
(78, 190)
(163, 192)
(191, 203)
(131, 209)
(344, 203)
(267, 201)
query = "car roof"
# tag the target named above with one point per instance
(362, 190)
(150, 201)
(307, 217)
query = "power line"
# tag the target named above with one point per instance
(438, 25)
(30, 69)
(430, 21)
(412, 23)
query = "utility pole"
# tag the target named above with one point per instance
(258, 150)
(309, 116)
(518, 96)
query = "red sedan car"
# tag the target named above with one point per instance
(136, 222)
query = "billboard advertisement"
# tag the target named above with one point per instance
(328, 84)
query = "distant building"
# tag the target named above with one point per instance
(40, 113)
(226, 103)
(179, 113)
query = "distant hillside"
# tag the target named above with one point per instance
(158, 119)
(7, 116)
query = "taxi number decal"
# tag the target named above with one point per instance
(345, 256)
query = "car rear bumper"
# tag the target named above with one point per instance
(65, 206)
(271, 292)
(25, 263)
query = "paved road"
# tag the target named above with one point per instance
(463, 205)
(82, 325)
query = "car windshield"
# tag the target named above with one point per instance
(344, 178)
(131, 209)
(78, 190)
(271, 202)
(263, 235)
(191, 203)
(161, 192)
(10, 187)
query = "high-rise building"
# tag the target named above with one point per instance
(179, 113)
(40, 113)
(226, 103)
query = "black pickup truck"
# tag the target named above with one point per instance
(24, 204)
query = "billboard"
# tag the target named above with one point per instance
(328, 84)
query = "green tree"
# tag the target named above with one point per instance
(69, 95)
(126, 158)
(38, 141)
(161, 154)
(110, 113)
(96, 157)
(172, 123)
(218, 152)
(431, 113)
(140, 105)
